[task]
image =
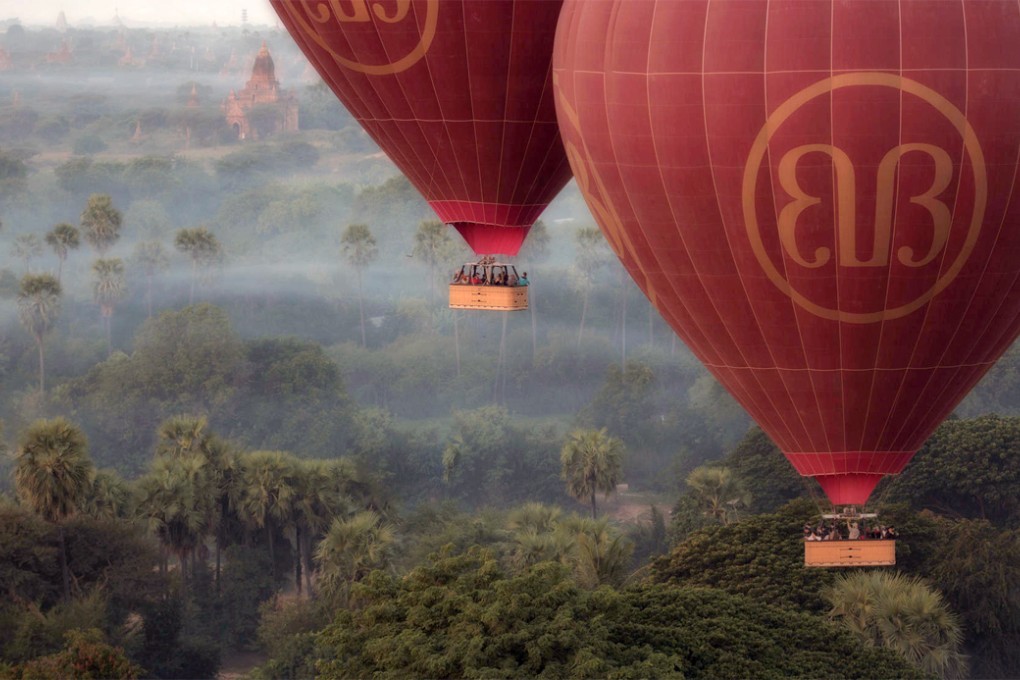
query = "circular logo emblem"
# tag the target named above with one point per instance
(844, 252)
(317, 18)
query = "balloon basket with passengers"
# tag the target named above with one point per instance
(849, 538)
(489, 285)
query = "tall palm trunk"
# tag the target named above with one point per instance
(584, 313)
(594, 510)
(42, 365)
(361, 310)
(456, 341)
(297, 559)
(272, 547)
(534, 325)
(194, 276)
(432, 286)
(306, 555)
(502, 359)
(623, 320)
(107, 313)
(183, 561)
(64, 571)
(148, 295)
(651, 327)
(60, 268)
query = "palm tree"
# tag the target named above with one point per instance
(27, 247)
(592, 255)
(107, 290)
(320, 499)
(202, 248)
(63, 238)
(269, 489)
(359, 248)
(900, 613)
(108, 498)
(591, 462)
(601, 554)
(351, 549)
(534, 537)
(432, 243)
(38, 307)
(356, 485)
(189, 436)
(101, 223)
(536, 517)
(174, 500)
(535, 251)
(52, 475)
(719, 492)
(181, 436)
(152, 258)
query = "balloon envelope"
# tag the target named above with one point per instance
(457, 93)
(817, 196)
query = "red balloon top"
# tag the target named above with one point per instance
(458, 93)
(819, 197)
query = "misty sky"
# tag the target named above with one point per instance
(138, 13)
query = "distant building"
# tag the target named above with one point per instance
(128, 59)
(262, 89)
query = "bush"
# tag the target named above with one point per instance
(86, 145)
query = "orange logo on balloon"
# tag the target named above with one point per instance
(845, 178)
(324, 14)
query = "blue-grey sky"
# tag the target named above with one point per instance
(137, 13)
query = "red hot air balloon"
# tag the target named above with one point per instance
(458, 93)
(819, 197)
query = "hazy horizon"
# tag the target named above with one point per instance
(139, 13)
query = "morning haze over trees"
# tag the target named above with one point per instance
(238, 416)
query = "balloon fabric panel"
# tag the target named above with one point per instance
(457, 93)
(817, 196)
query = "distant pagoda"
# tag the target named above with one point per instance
(262, 89)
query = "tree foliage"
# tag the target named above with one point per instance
(52, 469)
(765, 473)
(202, 248)
(462, 616)
(352, 548)
(38, 307)
(592, 462)
(86, 655)
(967, 468)
(977, 568)
(101, 223)
(63, 238)
(760, 556)
(624, 403)
(899, 613)
(489, 459)
(718, 493)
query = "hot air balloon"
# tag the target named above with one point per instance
(458, 93)
(817, 196)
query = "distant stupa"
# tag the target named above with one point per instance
(62, 22)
